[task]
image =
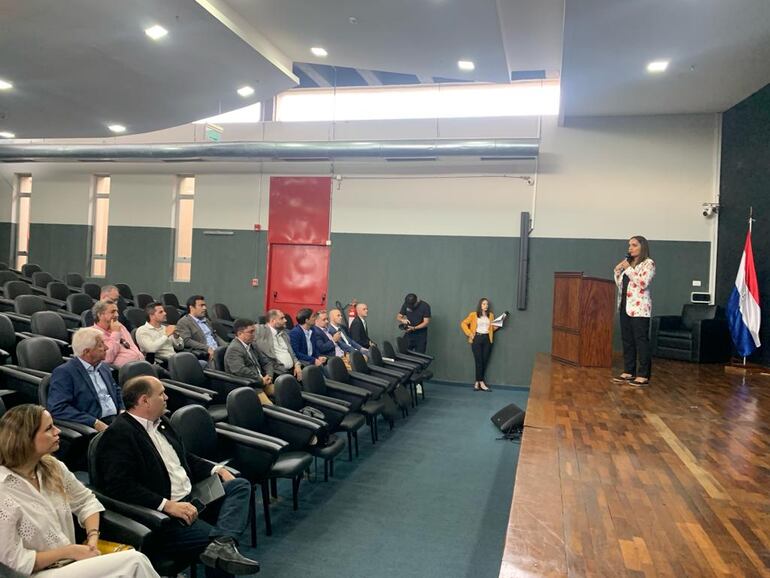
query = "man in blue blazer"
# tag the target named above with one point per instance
(83, 390)
(345, 342)
(301, 338)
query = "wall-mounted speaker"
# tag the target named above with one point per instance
(509, 419)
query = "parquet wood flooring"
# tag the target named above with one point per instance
(671, 480)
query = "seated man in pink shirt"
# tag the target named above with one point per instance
(120, 347)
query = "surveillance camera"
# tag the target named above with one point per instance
(710, 209)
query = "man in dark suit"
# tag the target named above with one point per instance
(359, 330)
(143, 461)
(301, 338)
(196, 330)
(245, 360)
(83, 390)
(324, 342)
(345, 342)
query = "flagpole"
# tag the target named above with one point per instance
(751, 220)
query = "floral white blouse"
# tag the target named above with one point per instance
(32, 521)
(638, 296)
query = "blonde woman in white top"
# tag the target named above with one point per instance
(38, 497)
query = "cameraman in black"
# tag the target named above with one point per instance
(414, 318)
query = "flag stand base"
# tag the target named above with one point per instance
(737, 367)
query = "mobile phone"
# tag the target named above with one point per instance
(200, 506)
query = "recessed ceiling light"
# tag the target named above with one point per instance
(156, 32)
(465, 65)
(245, 91)
(5, 85)
(657, 66)
(5, 134)
(318, 51)
(116, 128)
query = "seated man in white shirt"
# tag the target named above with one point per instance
(157, 337)
(143, 461)
(273, 341)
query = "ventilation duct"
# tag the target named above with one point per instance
(272, 151)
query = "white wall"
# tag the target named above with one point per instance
(597, 178)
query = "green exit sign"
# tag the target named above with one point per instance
(214, 132)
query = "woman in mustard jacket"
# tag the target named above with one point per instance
(479, 330)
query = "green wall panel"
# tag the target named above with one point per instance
(59, 249)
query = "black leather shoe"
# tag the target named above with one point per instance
(223, 553)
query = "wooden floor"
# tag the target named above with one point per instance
(672, 480)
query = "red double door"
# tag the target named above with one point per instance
(299, 243)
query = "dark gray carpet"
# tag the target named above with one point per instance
(430, 499)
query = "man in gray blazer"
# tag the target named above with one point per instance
(245, 360)
(271, 339)
(196, 330)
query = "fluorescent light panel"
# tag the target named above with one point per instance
(6, 134)
(116, 128)
(320, 52)
(465, 65)
(245, 91)
(5, 85)
(657, 66)
(156, 32)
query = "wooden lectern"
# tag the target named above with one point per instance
(583, 316)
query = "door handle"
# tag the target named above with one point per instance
(275, 294)
(323, 298)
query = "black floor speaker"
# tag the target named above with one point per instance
(509, 419)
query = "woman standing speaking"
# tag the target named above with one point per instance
(479, 330)
(633, 276)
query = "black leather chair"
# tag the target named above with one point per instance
(8, 340)
(125, 292)
(93, 290)
(171, 300)
(314, 381)
(219, 357)
(142, 300)
(700, 334)
(14, 289)
(172, 314)
(79, 302)
(397, 380)
(37, 358)
(135, 316)
(27, 305)
(57, 290)
(245, 412)
(164, 562)
(420, 360)
(179, 395)
(200, 437)
(337, 412)
(220, 312)
(74, 281)
(41, 279)
(412, 370)
(29, 268)
(50, 324)
(185, 370)
(335, 369)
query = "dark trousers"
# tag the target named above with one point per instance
(417, 340)
(482, 349)
(635, 334)
(231, 521)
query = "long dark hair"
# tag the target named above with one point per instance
(644, 249)
(479, 312)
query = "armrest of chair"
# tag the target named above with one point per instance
(347, 389)
(404, 358)
(248, 436)
(292, 426)
(69, 316)
(153, 519)
(55, 303)
(667, 322)
(387, 373)
(400, 366)
(229, 380)
(7, 304)
(417, 354)
(74, 427)
(711, 341)
(28, 375)
(366, 381)
(119, 528)
(324, 401)
(38, 290)
(193, 392)
(73, 289)
(19, 319)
